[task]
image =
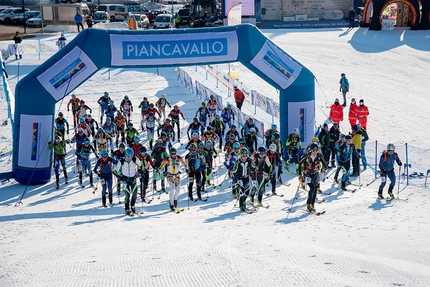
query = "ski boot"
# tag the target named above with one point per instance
(380, 196)
(175, 203)
(104, 201)
(310, 207)
(66, 179)
(133, 209)
(57, 182)
(172, 207)
(343, 185)
(391, 195)
(260, 204)
(251, 200)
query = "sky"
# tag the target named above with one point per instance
(66, 238)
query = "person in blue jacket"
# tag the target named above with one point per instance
(386, 166)
(78, 20)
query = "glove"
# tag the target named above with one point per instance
(358, 156)
(265, 175)
(215, 155)
(240, 183)
(300, 178)
(183, 118)
(323, 171)
(67, 132)
(187, 170)
(67, 141)
(68, 110)
(340, 89)
(400, 164)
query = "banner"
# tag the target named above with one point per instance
(241, 119)
(34, 135)
(234, 17)
(300, 116)
(260, 127)
(161, 49)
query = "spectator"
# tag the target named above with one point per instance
(177, 20)
(239, 97)
(61, 42)
(18, 47)
(89, 21)
(351, 16)
(78, 20)
(344, 87)
(336, 112)
(362, 113)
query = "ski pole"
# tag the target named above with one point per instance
(294, 199)
(398, 184)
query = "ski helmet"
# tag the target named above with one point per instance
(201, 145)
(233, 126)
(82, 120)
(250, 119)
(209, 128)
(313, 147)
(272, 147)
(121, 145)
(217, 116)
(209, 144)
(252, 130)
(151, 105)
(82, 102)
(80, 130)
(175, 106)
(151, 114)
(315, 140)
(228, 106)
(100, 130)
(172, 151)
(195, 119)
(274, 127)
(242, 141)
(130, 124)
(163, 135)
(87, 142)
(110, 102)
(391, 147)
(129, 152)
(57, 139)
(125, 97)
(60, 114)
(262, 150)
(192, 147)
(142, 149)
(108, 120)
(232, 136)
(277, 136)
(296, 131)
(163, 96)
(167, 120)
(73, 96)
(136, 139)
(195, 135)
(106, 94)
(89, 116)
(348, 137)
(244, 151)
(236, 145)
(159, 141)
(203, 104)
(104, 153)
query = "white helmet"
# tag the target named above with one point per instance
(272, 147)
(296, 131)
(252, 130)
(163, 96)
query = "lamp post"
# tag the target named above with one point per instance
(23, 11)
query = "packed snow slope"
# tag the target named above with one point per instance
(66, 238)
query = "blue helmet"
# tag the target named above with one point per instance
(136, 139)
(104, 153)
(209, 144)
(129, 152)
(274, 127)
(106, 94)
(236, 145)
(201, 144)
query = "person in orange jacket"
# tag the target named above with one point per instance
(239, 97)
(362, 113)
(336, 112)
(352, 115)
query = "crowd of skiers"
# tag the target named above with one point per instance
(114, 142)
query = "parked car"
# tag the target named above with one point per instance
(164, 21)
(110, 9)
(92, 7)
(7, 14)
(35, 22)
(20, 18)
(141, 19)
(101, 17)
(185, 15)
(121, 12)
(154, 13)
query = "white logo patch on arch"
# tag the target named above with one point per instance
(173, 48)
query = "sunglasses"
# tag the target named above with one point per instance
(263, 153)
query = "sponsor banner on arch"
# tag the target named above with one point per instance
(301, 115)
(173, 48)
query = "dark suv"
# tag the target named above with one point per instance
(185, 15)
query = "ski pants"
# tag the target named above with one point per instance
(175, 187)
(356, 162)
(59, 159)
(144, 181)
(106, 181)
(194, 175)
(259, 187)
(392, 176)
(130, 191)
(244, 187)
(176, 122)
(345, 167)
(313, 181)
(156, 174)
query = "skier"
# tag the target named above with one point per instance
(59, 147)
(344, 87)
(229, 144)
(203, 113)
(194, 127)
(161, 105)
(218, 128)
(365, 138)
(126, 172)
(120, 122)
(294, 146)
(166, 128)
(336, 112)
(118, 155)
(101, 140)
(150, 121)
(194, 140)
(104, 169)
(311, 163)
(211, 155)
(165, 141)
(171, 164)
(158, 154)
(230, 161)
(111, 109)
(143, 106)
(104, 104)
(153, 110)
(251, 141)
(79, 138)
(239, 97)
(241, 173)
(210, 135)
(246, 129)
(264, 168)
(362, 114)
(126, 107)
(110, 130)
(227, 115)
(357, 136)
(324, 139)
(83, 125)
(92, 124)
(82, 110)
(386, 166)
(334, 137)
(84, 157)
(212, 107)
(204, 165)
(130, 132)
(136, 145)
(194, 163)
(233, 131)
(146, 161)
(60, 125)
(276, 166)
(270, 135)
(174, 115)
(74, 101)
(345, 151)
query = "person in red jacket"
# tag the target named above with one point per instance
(239, 97)
(362, 113)
(336, 112)
(352, 115)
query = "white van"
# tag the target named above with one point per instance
(122, 11)
(110, 9)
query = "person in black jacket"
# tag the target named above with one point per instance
(324, 138)
(18, 48)
(351, 17)
(334, 137)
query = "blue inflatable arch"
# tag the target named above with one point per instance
(93, 49)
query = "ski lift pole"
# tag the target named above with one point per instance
(407, 165)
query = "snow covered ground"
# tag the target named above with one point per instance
(65, 238)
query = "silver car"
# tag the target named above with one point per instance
(164, 21)
(7, 14)
(34, 22)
